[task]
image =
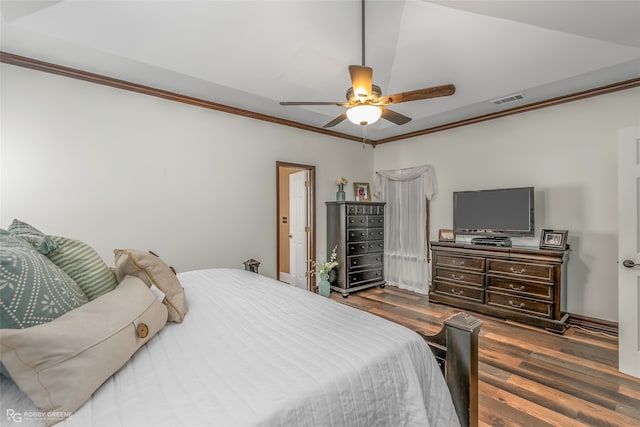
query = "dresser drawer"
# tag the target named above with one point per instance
(377, 246)
(467, 263)
(362, 210)
(366, 276)
(356, 221)
(521, 269)
(357, 234)
(365, 247)
(357, 248)
(360, 262)
(375, 221)
(459, 291)
(375, 233)
(531, 289)
(459, 276)
(525, 305)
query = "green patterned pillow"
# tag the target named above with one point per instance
(35, 237)
(83, 265)
(33, 290)
(77, 259)
(10, 240)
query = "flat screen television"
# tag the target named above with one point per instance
(497, 212)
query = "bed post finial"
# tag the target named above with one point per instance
(462, 365)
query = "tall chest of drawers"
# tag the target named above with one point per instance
(357, 230)
(527, 285)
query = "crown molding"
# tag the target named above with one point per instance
(47, 67)
(73, 73)
(602, 90)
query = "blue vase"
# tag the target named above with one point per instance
(323, 286)
(340, 195)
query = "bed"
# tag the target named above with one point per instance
(252, 351)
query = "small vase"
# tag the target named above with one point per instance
(323, 286)
(340, 195)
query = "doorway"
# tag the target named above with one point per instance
(295, 215)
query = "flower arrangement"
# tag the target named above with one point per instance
(324, 267)
(341, 181)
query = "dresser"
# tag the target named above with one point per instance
(524, 284)
(357, 230)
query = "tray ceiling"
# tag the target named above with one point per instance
(253, 54)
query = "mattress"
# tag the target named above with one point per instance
(253, 351)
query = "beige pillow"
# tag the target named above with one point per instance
(61, 363)
(154, 272)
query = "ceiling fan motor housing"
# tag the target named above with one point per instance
(376, 92)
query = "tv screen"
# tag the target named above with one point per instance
(505, 211)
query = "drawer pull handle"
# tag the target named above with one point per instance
(453, 291)
(362, 246)
(513, 270)
(519, 288)
(456, 262)
(354, 262)
(514, 305)
(453, 276)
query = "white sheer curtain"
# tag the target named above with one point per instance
(405, 249)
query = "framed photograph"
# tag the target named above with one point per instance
(446, 235)
(553, 239)
(361, 191)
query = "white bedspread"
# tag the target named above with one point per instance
(255, 352)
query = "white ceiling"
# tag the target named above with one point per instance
(253, 54)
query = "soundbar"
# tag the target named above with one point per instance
(492, 241)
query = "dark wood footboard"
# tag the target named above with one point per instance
(456, 350)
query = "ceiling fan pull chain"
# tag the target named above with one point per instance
(364, 136)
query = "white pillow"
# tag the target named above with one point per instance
(154, 272)
(61, 363)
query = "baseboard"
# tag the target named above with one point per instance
(595, 325)
(286, 277)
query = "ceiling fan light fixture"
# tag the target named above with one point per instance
(364, 114)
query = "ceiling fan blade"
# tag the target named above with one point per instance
(361, 78)
(416, 95)
(394, 117)
(339, 104)
(335, 121)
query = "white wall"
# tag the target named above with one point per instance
(568, 153)
(118, 169)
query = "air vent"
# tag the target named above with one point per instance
(510, 98)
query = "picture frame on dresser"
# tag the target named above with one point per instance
(446, 235)
(361, 191)
(553, 239)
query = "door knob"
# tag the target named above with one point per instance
(629, 264)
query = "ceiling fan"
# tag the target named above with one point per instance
(365, 101)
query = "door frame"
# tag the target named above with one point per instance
(628, 289)
(311, 216)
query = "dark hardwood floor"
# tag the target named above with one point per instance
(528, 376)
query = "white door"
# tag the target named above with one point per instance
(629, 250)
(298, 228)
